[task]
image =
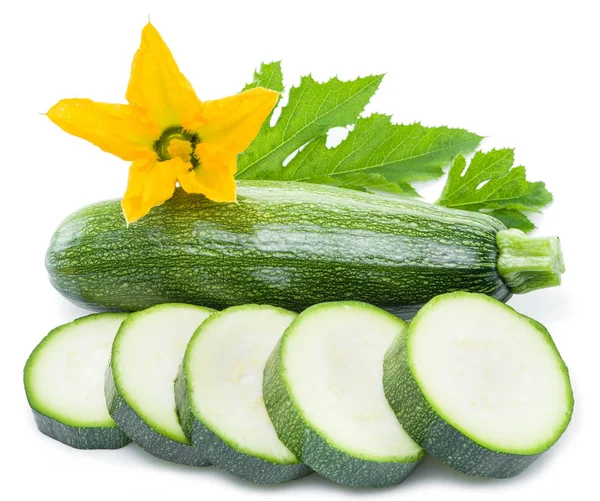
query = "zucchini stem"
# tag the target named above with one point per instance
(529, 263)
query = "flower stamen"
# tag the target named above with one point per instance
(175, 142)
(179, 148)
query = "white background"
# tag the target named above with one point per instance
(524, 73)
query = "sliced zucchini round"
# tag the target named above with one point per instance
(323, 391)
(64, 383)
(145, 358)
(219, 394)
(478, 385)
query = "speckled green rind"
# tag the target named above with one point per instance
(440, 439)
(81, 437)
(142, 434)
(340, 467)
(224, 455)
(290, 245)
(313, 449)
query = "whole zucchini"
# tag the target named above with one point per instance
(292, 245)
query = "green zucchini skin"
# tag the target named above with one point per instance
(290, 245)
(310, 447)
(138, 430)
(81, 437)
(222, 454)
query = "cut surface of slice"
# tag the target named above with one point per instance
(146, 355)
(64, 383)
(219, 394)
(488, 381)
(323, 391)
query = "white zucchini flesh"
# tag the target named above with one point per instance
(334, 363)
(493, 375)
(226, 415)
(490, 381)
(331, 409)
(146, 355)
(64, 379)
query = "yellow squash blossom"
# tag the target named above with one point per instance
(167, 133)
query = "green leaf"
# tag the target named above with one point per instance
(312, 110)
(490, 182)
(268, 76)
(513, 219)
(373, 183)
(379, 154)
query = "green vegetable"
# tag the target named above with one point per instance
(491, 183)
(63, 382)
(377, 155)
(323, 391)
(145, 358)
(478, 386)
(292, 245)
(219, 394)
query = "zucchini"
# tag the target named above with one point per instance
(292, 245)
(478, 385)
(219, 394)
(63, 383)
(145, 357)
(323, 391)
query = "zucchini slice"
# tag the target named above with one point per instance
(145, 358)
(323, 391)
(219, 394)
(63, 382)
(478, 385)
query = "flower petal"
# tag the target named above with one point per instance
(234, 121)
(157, 85)
(214, 176)
(150, 184)
(119, 129)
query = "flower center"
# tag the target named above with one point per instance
(175, 142)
